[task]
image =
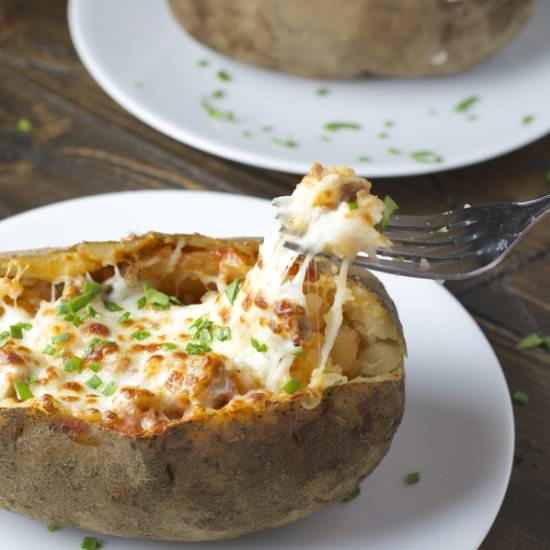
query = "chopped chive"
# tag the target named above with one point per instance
(266, 129)
(197, 349)
(62, 307)
(33, 379)
(124, 317)
(534, 340)
(89, 348)
(390, 208)
(203, 62)
(334, 126)
(63, 337)
(527, 119)
(109, 389)
(292, 386)
(73, 318)
(224, 76)
(465, 104)
(111, 306)
(72, 364)
(218, 94)
(94, 382)
(389, 124)
(222, 333)
(426, 157)
(213, 112)
(205, 336)
(16, 331)
(169, 346)
(363, 158)
(233, 289)
(90, 543)
(4, 335)
(61, 352)
(289, 143)
(520, 397)
(91, 312)
(354, 494)
(175, 301)
(382, 135)
(24, 125)
(353, 205)
(394, 151)
(96, 367)
(156, 297)
(23, 390)
(258, 346)
(52, 526)
(322, 91)
(412, 478)
(198, 326)
(141, 302)
(140, 335)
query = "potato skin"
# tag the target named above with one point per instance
(222, 475)
(216, 478)
(330, 39)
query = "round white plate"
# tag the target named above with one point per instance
(457, 430)
(142, 58)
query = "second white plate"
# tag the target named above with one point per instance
(457, 430)
(142, 58)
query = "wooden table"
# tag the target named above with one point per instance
(83, 143)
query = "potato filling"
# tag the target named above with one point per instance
(175, 330)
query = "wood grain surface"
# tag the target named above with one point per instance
(82, 143)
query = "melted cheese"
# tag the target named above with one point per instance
(152, 382)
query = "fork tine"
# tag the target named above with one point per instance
(462, 216)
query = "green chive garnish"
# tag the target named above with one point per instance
(16, 331)
(353, 205)
(33, 379)
(73, 364)
(63, 337)
(394, 151)
(90, 543)
(52, 526)
(94, 382)
(218, 94)
(354, 494)
(465, 104)
(197, 349)
(203, 63)
(96, 367)
(140, 335)
(257, 345)
(219, 114)
(141, 302)
(109, 389)
(292, 386)
(111, 306)
(124, 317)
(390, 208)
(62, 307)
(222, 333)
(23, 390)
(224, 76)
(4, 337)
(155, 297)
(412, 478)
(169, 346)
(289, 143)
(520, 397)
(322, 91)
(527, 119)
(363, 158)
(334, 126)
(426, 157)
(89, 348)
(233, 289)
(534, 340)
(24, 125)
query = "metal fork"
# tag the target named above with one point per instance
(452, 245)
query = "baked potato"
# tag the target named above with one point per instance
(331, 39)
(140, 397)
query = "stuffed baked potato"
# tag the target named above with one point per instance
(331, 39)
(152, 388)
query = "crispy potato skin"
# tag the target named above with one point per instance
(216, 478)
(222, 475)
(330, 39)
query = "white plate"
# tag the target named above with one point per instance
(458, 426)
(142, 58)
